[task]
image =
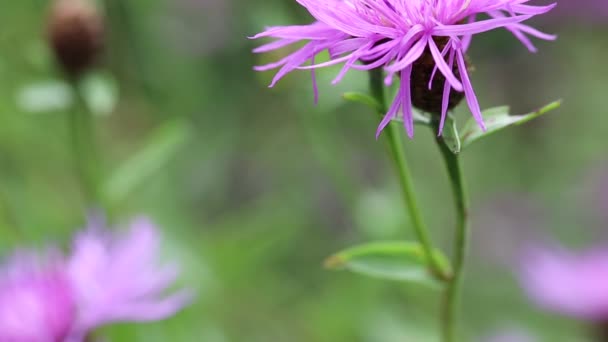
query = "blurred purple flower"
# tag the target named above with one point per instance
(572, 284)
(36, 302)
(394, 34)
(116, 278)
(108, 278)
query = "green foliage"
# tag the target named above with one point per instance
(497, 119)
(45, 96)
(402, 261)
(450, 136)
(99, 91)
(369, 101)
(364, 99)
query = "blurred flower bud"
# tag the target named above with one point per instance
(76, 34)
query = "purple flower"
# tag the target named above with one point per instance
(108, 278)
(116, 278)
(36, 302)
(394, 35)
(572, 284)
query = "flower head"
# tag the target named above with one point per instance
(573, 284)
(36, 302)
(108, 278)
(116, 277)
(395, 35)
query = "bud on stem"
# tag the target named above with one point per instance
(76, 34)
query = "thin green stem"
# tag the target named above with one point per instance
(393, 133)
(461, 201)
(84, 149)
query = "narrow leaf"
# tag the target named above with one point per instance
(135, 171)
(363, 99)
(450, 135)
(497, 119)
(401, 261)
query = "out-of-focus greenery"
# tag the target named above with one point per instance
(261, 185)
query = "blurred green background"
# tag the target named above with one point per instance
(254, 187)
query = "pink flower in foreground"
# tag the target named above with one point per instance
(404, 37)
(108, 278)
(572, 284)
(36, 302)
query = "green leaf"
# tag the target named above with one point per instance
(450, 135)
(135, 171)
(363, 99)
(45, 97)
(497, 119)
(419, 118)
(401, 261)
(100, 91)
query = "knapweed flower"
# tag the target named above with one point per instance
(108, 278)
(408, 38)
(36, 300)
(568, 283)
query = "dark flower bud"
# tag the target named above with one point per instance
(76, 34)
(430, 100)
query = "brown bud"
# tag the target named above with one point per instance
(76, 34)
(430, 100)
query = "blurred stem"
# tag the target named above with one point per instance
(461, 201)
(8, 220)
(84, 150)
(393, 133)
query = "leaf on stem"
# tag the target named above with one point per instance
(364, 99)
(45, 96)
(450, 135)
(369, 101)
(99, 91)
(401, 261)
(497, 119)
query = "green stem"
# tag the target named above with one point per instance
(393, 133)
(8, 221)
(84, 149)
(451, 298)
